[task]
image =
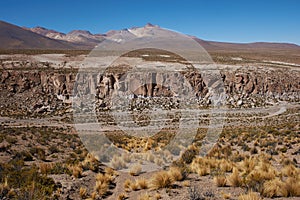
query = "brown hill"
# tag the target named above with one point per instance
(15, 37)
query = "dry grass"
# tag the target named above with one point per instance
(175, 174)
(274, 188)
(90, 162)
(134, 186)
(161, 179)
(118, 163)
(46, 167)
(157, 196)
(83, 192)
(144, 196)
(101, 188)
(6, 191)
(250, 196)
(127, 184)
(289, 170)
(220, 181)
(110, 172)
(203, 171)
(186, 183)
(234, 179)
(76, 170)
(292, 185)
(103, 178)
(142, 183)
(135, 170)
(102, 184)
(225, 166)
(122, 196)
(226, 196)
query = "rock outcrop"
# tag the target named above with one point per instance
(36, 89)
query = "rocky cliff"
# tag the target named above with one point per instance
(38, 88)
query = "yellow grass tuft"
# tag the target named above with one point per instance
(226, 195)
(127, 184)
(161, 179)
(203, 171)
(118, 163)
(122, 196)
(220, 181)
(83, 192)
(76, 170)
(234, 179)
(101, 188)
(157, 196)
(186, 183)
(250, 196)
(110, 171)
(292, 185)
(90, 162)
(274, 188)
(175, 174)
(135, 170)
(289, 170)
(103, 178)
(142, 183)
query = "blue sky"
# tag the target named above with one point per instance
(227, 20)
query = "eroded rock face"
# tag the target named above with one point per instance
(45, 90)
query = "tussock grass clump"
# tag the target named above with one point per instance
(103, 178)
(134, 185)
(122, 196)
(234, 179)
(290, 171)
(76, 170)
(83, 192)
(176, 174)
(127, 184)
(225, 166)
(90, 163)
(110, 172)
(118, 163)
(161, 179)
(203, 171)
(220, 181)
(135, 170)
(250, 196)
(274, 188)
(142, 183)
(102, 184)
(101, 188)
(46, 167)
(292, 186)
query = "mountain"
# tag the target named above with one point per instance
(79, 38)
(15, 37)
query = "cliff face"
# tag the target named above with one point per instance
(44, 90)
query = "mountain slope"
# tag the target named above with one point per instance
(79, 38)
(14, 37)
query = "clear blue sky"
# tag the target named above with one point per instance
(227, 20)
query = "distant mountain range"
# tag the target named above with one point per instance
(15, 37)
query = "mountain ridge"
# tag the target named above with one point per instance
(15, 37)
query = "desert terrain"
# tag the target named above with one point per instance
(151, 124)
